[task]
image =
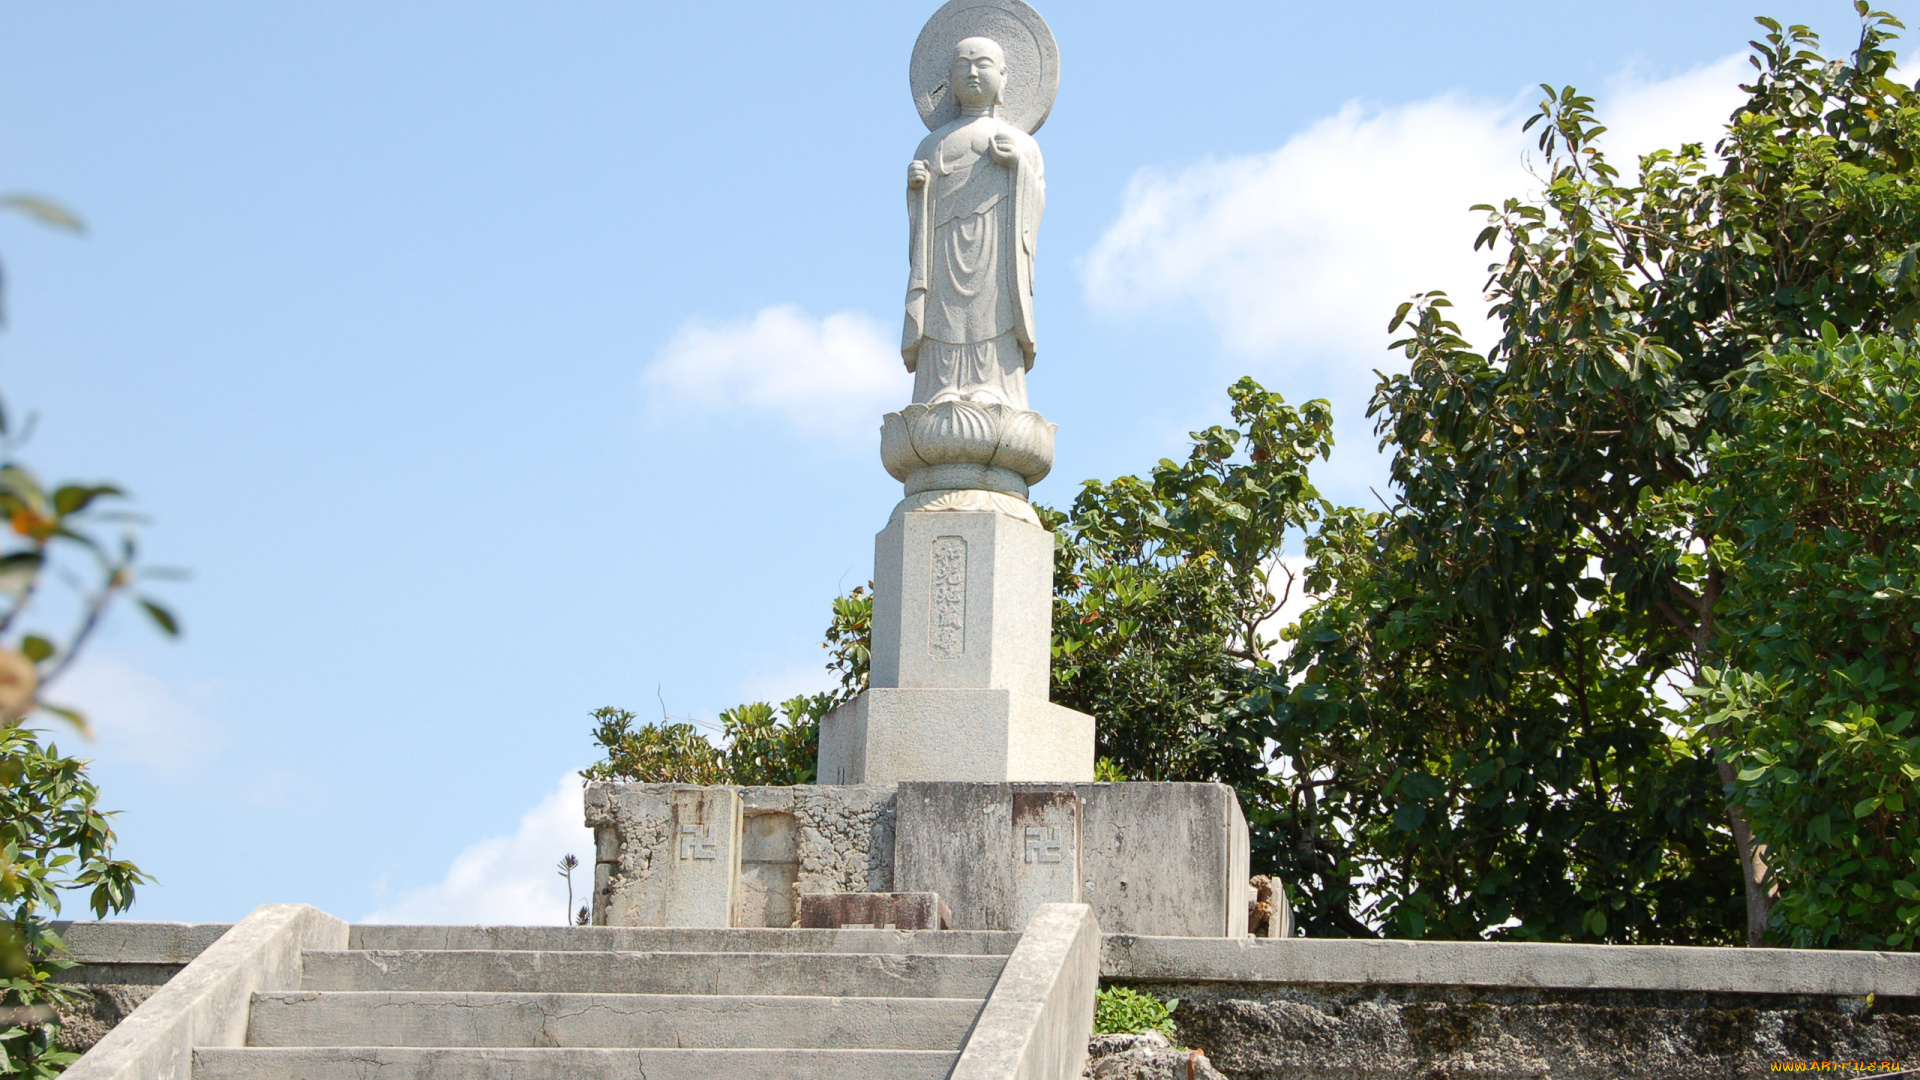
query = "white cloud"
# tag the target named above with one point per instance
(510, 880)
(1312, 244)
(139, 718)
(832, 376)
(1643, 114)
(1298, 256)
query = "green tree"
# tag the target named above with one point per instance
(1548, 563)
(1163, 586)
(1819, 633)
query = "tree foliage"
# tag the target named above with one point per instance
(1163, 586)
(1548, 561)
(53, 838)
(1816, 679)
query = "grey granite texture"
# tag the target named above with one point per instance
(1035, 1023)
(1293, 1032)
(962, 601)
(1150, 858)
(889, 734)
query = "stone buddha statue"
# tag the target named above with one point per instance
(975, 193)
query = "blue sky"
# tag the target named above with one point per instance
(489, 363)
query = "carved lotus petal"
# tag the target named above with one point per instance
(1026, 444)
(896, 446)
(955, 431)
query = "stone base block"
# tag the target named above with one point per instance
(887, 735)
(785, 841)
(1151, 859)
(672, 860)
(874, 911)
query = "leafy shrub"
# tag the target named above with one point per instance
(1120, 1010)
(53, 838)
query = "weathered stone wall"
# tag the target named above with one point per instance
(121, 965)
(1265, 1031)
(97, 1007)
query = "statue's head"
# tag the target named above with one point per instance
(978, 73)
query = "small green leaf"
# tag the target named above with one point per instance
(1407, 817)
(36, 648)
(1865, 806)
(161, 617)
(45, 211)
(74, 498)
(1419, 785)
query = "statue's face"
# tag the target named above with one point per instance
(979, 72)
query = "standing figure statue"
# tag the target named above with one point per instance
(984, 73)
(975, 192)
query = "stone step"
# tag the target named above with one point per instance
(565, 972)
(661, 939)
(415, 1063)
(382, 1018)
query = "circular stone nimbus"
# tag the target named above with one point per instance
(1033, 61)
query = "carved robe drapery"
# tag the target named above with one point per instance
(973, 226)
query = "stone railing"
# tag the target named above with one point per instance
(206, 1003)
(1036, 1022)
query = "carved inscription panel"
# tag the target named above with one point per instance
(947, 614)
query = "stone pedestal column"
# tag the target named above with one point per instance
(962, 614)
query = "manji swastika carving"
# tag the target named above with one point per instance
(699, 842)
(1043, 844)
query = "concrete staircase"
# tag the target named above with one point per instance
(529, 1003)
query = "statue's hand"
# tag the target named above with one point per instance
(1004, 151)
(917, 175)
